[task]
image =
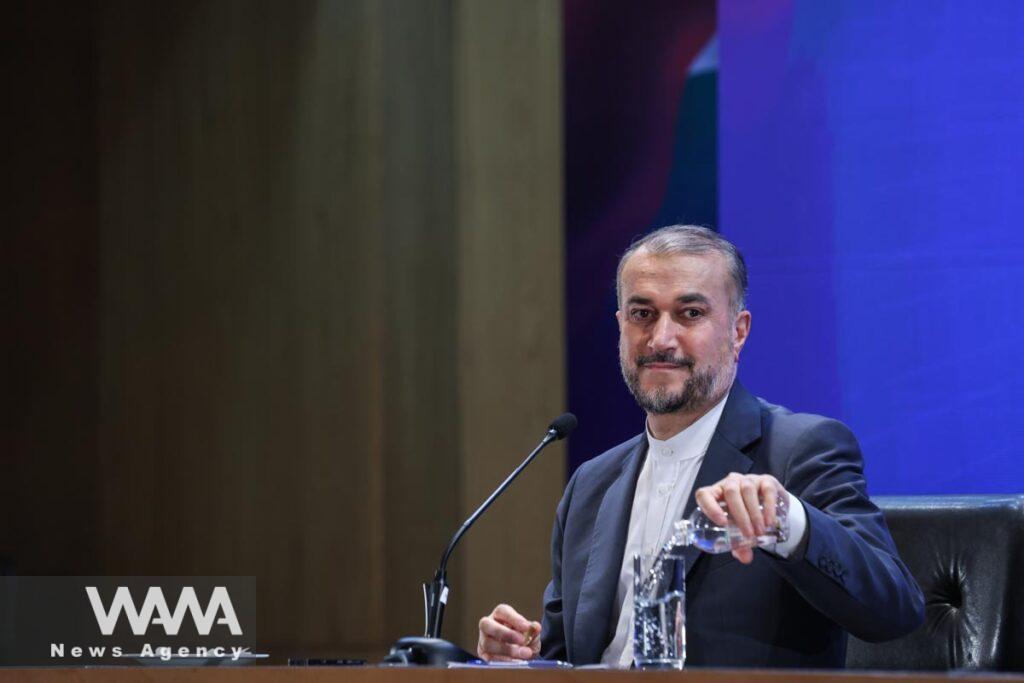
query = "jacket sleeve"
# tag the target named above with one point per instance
(552, 635)
(849, 569)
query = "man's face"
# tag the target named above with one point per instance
(679, 339)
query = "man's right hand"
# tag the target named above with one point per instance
(507, 636)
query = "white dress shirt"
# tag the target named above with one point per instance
(662, 489)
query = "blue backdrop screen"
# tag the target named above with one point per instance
(870, 156)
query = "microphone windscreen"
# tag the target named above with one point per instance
(563, 425)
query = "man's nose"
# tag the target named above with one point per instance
(664, 335)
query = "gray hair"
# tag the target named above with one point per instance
(690, 239)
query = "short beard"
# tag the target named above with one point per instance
(696, 392)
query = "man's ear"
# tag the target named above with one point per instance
(618, 318)
(741, 330)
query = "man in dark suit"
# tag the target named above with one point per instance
(708, 442)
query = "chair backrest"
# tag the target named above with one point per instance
(967, 554)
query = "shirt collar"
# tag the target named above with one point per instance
(693, 441)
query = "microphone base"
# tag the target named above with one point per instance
(420, 651)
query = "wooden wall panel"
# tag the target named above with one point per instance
(421, 453)
(511, 339)
(241, 422)
(314, 257)
(48, 279)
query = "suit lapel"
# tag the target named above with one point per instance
(608, 543)
(739, 426)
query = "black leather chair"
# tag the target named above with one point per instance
(967, 554)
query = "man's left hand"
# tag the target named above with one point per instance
(751, 500)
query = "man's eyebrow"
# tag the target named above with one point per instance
(692, 299)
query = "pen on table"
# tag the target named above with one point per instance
(548, 664)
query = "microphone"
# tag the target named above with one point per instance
(563, 425)
(431, 649)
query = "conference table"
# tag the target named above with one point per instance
(316, 674)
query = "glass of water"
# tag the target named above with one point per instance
(659, 609)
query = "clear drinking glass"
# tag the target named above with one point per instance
(659, 609)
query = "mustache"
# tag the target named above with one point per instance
(683, 362)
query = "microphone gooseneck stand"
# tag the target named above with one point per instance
(431, 649)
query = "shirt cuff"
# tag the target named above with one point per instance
(797, 527)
